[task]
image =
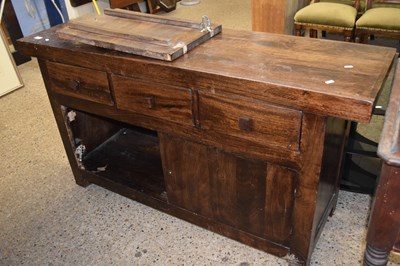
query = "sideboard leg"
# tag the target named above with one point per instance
(375, 257)
(79, 180)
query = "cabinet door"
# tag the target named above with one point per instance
(249, 195)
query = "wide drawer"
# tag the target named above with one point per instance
(83, 83)
(153, 99)
(247, 122)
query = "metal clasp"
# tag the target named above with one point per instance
(205, 25)
(79, 151)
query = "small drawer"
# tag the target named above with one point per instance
(250, 122)
(153, 99)
(83, 83)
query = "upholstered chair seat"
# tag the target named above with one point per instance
(385, 18)
(381, 18)
(361, 9)
(329, 14)
(338, 17)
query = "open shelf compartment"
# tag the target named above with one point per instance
(119, 152)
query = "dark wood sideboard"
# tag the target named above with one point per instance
(384, 227)
(244, 135)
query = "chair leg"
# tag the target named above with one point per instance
(313, 33)
(298, 30)
(348, 35)
(364, 38)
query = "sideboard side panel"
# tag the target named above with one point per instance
(312, 146)
(337, 131)
(65, 135)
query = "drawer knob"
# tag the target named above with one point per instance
(245, 123)
(150, 102)
(77, 84)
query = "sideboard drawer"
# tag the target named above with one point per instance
(250, 122)
(83, 83)
(153, 99)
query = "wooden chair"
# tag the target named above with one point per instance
(330, 16)
(381, 18)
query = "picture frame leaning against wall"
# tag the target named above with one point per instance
(10, 78)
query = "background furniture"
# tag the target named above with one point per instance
(76, 3)
(10, 22)
(338, 17)
(225, 138)
(381, 18)
(275, 16)
(125, 4)
(384, 226)
(153, 6)
(9, 75)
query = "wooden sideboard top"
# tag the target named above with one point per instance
(389, 144)
(301, 73)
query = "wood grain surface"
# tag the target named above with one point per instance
(142, 34)
(285, 70)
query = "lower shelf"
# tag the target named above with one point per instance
(360, 174)
(132, 158)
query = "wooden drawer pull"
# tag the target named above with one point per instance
(150, 102)
(76, 84)
(245, 123)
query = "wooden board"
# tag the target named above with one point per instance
(136, 33)
(275, 16)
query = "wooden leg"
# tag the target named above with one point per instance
(361, 38)
(298, 30)
(152, 6)
(364, 38)
(313, 33)
(385, 217)
(375, 257)
(348, 36)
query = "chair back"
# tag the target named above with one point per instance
(383, 3)
(358, 4)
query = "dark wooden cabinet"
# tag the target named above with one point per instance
(384, 226)
(241, 135)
